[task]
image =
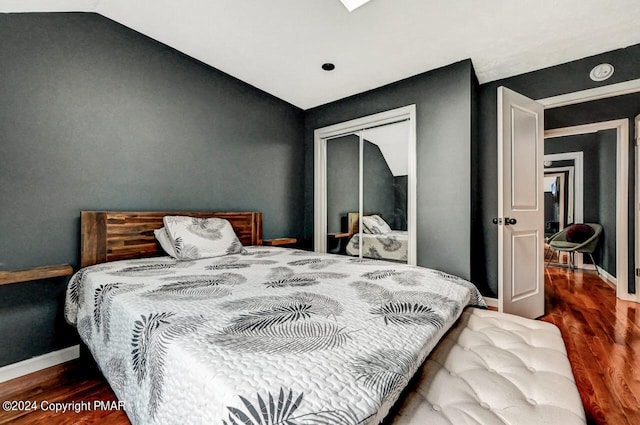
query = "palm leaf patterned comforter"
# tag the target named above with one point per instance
(270, 336)
(385, 246)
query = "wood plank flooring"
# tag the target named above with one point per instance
(70, 382)
(602, 335)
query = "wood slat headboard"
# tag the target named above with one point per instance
(120, 235)
(353, 221)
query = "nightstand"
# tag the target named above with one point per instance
(280, 241)
(338, 237)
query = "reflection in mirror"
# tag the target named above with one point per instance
(367, 172)
(385, 166)
(384, 187)
(343, 158)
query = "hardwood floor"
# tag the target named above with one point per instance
(71, 382)
(602, 335)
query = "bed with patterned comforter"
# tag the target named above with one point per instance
(270, 336)
(392, 245)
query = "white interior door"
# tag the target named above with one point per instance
(520, 205)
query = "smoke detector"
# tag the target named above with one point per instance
(601, 72)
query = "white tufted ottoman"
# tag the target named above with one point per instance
(495, 368)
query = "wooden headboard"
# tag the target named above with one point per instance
(353, 221)
(120, 235)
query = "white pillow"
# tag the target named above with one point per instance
(194, 238)
(374, 224)
(164, 241)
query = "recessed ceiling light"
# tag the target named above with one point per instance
(352, 5)
(328, 66)
(601, 72)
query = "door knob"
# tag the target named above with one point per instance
(496, 220)
(508, 221)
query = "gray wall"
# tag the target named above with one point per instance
(599, 183)
(96, 116)
(443, 99)
(565, 78)
(377, 183)
(400, 190)
(342, 181)
(607, 209)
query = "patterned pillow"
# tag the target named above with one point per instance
(163, 239)
(194, 238)
(374, 224)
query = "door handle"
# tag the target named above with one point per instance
(508, 221)
(496, 220)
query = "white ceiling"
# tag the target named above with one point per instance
(279, 45)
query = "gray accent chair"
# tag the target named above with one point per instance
(558, 242)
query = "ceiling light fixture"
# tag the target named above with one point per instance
(352, 5)
(328, 66)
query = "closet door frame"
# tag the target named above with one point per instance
(321, 136)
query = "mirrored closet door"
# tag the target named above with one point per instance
(365, 188)
(385, 163)
(343, 188)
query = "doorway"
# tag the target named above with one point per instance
(567, 203)
(618, 224)
(603, 148)
(623, 269)
(621, 90)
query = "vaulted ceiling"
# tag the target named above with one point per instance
(280, 45)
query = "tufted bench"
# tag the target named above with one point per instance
(495, 368)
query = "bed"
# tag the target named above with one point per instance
(386, 244)
(264, 335)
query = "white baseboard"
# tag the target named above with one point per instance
(604, 275)
(35, 364)
(491, 302)
(607, 277)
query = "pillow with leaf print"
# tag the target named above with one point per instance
(194, 238)
(374, 224)
(163, 239)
